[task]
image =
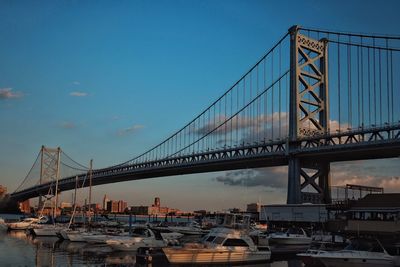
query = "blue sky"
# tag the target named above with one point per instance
(108, 79)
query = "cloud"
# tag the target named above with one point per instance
(274, 177)
(76, 83)
(68, 125)
(78, 94)
(130, 130)
(7, 93)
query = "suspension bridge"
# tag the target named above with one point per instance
(314, 98)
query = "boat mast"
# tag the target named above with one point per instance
(73, 213)
(57, 177)
(90, 190)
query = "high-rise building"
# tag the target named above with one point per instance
(157, 202)
(105, 201)
(122, 205)
(112, 206)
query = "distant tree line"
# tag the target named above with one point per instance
(8, 205)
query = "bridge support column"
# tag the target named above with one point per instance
(294, 191)
(308, 182)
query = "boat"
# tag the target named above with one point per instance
(226, 244)
(321, 243)
(140, 237)
(308, 257)
(361, 252)
(101, 237)
(24, 224)
(192, 228)
(293, 236)
(46, 230)
(168, 235)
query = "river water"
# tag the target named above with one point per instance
(19, 249)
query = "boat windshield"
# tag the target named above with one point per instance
(235, 242)
(364, 245)
(209, 238)
(219, 239)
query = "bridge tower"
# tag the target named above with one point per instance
(308, 117)
(49, 169)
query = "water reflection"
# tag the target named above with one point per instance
(19, 249)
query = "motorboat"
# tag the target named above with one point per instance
(192, 228)
(140, 237)
(24, 224)
(46, 230)
(293, 236)
(359, 253)
(226, 244)
(321, 243)
(101, 237)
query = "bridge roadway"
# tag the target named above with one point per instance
(373, 143)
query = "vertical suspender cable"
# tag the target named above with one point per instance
(362, 84)
(265, 120)
(338, 52)
(387, 81)
(349, 108)
(358, 85)
(369, 87)
(374, 65)
(279, 90)
(272, 92)
(380, 86)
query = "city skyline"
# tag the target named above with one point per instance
(107, 81)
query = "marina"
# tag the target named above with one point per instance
(200, 133)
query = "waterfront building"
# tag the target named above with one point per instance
(375, 214)
(154, 209)
(294, 213)
(253, 207)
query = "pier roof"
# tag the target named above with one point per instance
(390, 200)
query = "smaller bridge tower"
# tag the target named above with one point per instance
(49, 170)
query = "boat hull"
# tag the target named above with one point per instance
(210, 256)
(290, 241)
(75, 237)
(335, 262)
(132, 244)
(45, 231)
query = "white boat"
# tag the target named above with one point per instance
(359, 253)
(46, 229)
(227, 244)
(141, 237)
(101, 238)
(22, 225)
(192, 228)
(293, 236)
(75, 236)
(308, 257)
